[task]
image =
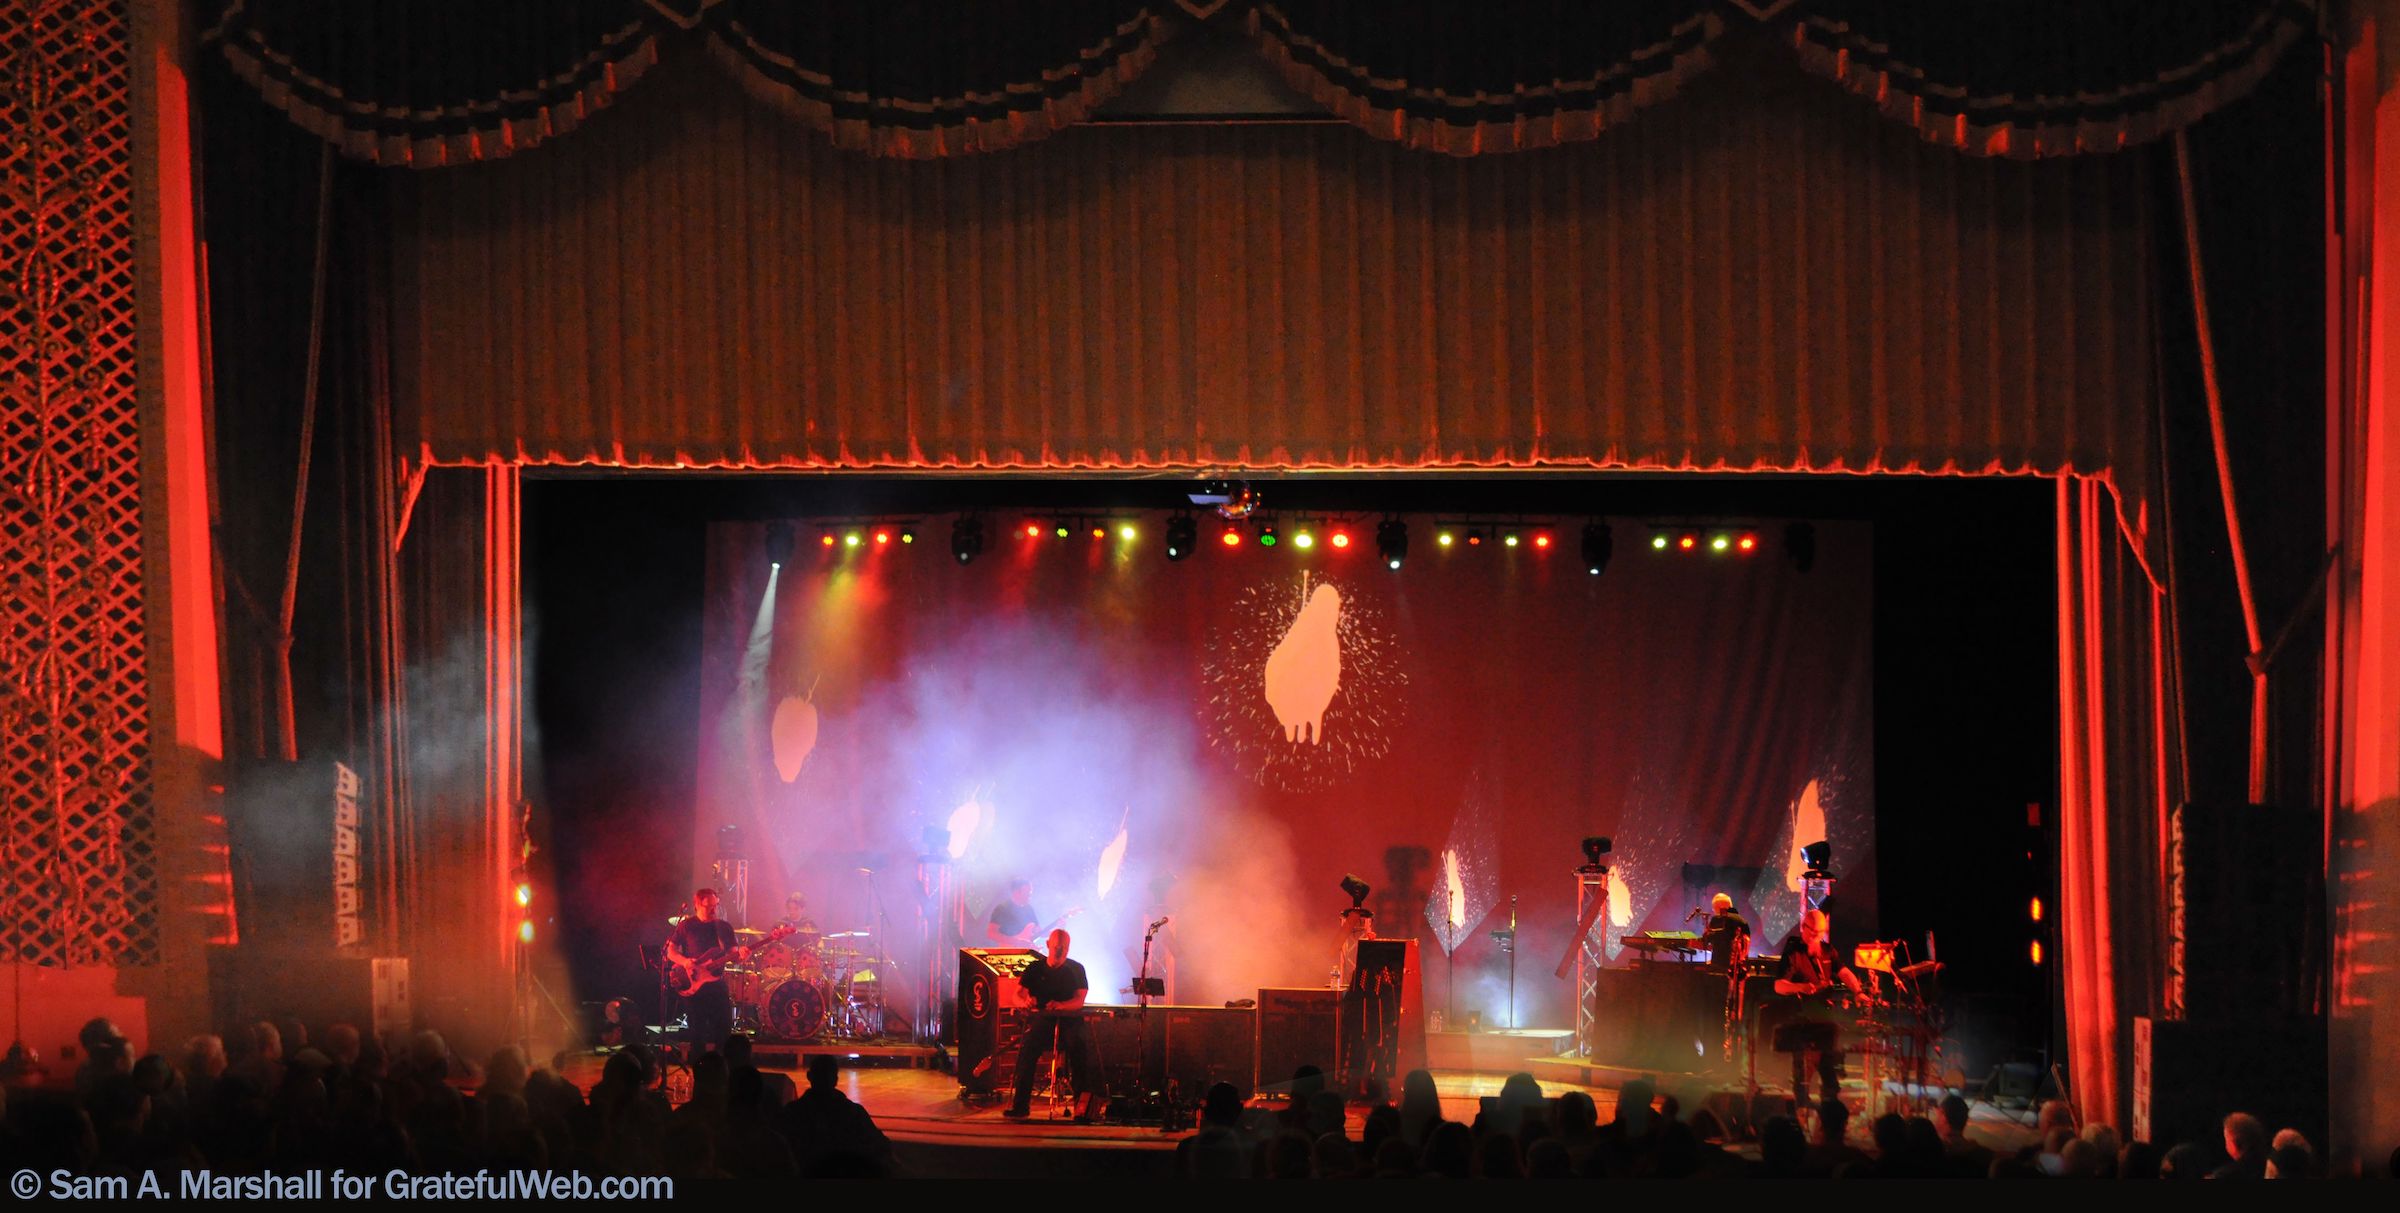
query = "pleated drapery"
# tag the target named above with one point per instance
(1761, 283)
(451, 81)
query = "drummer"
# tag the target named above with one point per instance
(795, 915)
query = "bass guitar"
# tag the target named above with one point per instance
(695, 973)
(1026, 937)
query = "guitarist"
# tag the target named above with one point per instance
(1811, 967)
(1013, 923)
(705, 942)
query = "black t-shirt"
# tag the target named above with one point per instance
(694, 938)
(1012, 918)
(1058, 983)
(1798, 965)
(1718, 937)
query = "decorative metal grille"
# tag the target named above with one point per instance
(79, 870)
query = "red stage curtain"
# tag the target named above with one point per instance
(2116, 789)
(918, 78)
(433, 82)
(1473, 76)
(1759, 283)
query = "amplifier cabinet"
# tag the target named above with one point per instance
(1296, 1027)
(991, 1021)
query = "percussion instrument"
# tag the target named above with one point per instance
(796, 1009)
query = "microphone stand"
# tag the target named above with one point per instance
(1145, 1098)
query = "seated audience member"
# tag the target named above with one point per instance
(775, 1087)
(1288, 1156)
(2104, 1139)
(1548, 1159)
(1832, 1155)
(2184, 1161)
(2290, 1162)
(1449, 1151)
(831, 1136)
(1420, 1108)
(2246, 1144)
(1335, 1157)
(1394, 1160)
(1628, 1145)
(1218, 1150)
(1963, 1156)
(1782, 1149)
(1496, 1157)
(1383, 1124)
(2138, 1160)
(2080, 1158)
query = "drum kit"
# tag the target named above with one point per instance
(811, 986)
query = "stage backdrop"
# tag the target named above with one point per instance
(1254, 723)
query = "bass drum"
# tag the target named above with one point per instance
(796, 1010)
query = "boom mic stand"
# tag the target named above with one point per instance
(1145, 1101)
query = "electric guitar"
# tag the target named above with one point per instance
(1025, 938)
(695, 973)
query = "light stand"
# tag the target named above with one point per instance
(1506, 937)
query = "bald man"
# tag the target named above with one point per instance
(1055, 989)
(1812, 967)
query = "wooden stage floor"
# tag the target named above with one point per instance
(920, 1107)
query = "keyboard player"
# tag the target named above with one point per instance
(1056, 989)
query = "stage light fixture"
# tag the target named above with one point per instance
(1033, 530)
(1748, 543)
(1541, 539)
(908, 536)
(2035, 910)
(2036, 953)
(851, 539)
(1266, 535)
(525, 895)
(1391, 541)
(966, 538)
(525, 933)
(1445, 539)
(1126, 532)
(1800, 544)
(1596, 848)
(1183, 534)
(1720, 543)
(883, 537)
(779, 543)
(1511, 540)
(1688, 542)
(1233, 538)
(1474, 540)
(827, 540)
(1099, 532)
(1341, 539)
(1062, 530)
(1304, 540)
(1658, 543)
(1599, 545)
(1234, 500)
(1357, 889)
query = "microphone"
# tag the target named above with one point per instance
(1162, 921)
(1697, 911)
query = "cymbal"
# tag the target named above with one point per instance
(849, 935)
(1921, 968)
(749, 933)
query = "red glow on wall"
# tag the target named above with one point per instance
(1233, 538)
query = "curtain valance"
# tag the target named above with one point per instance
(434, 82)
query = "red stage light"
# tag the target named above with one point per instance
(2037, 952)
(1099, 532)
(1233, 538)
(1749, 543)
(1688, 542)
(1474, 541)
(1542, 540)
(883, 536)
(1340, 540)
(1033, 530)
(829, 541)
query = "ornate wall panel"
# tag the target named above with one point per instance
(79, 869)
